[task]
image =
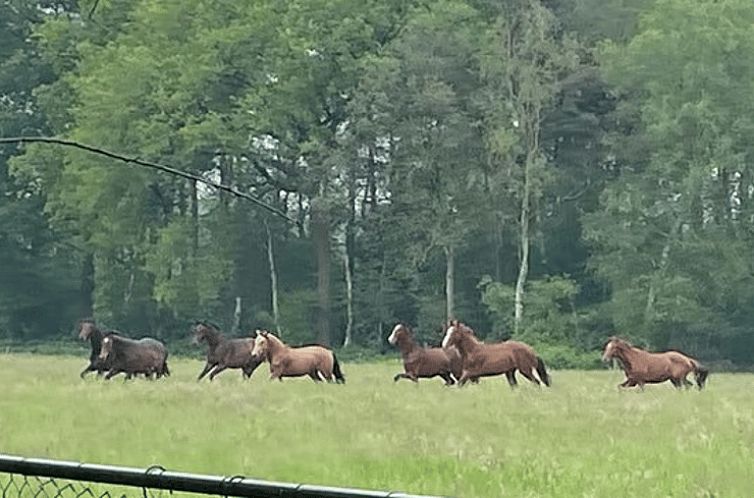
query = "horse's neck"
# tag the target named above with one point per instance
(468, 345)
(629, 355)
(95, 339)
(407, 346)
(214, 339)
(275, 348)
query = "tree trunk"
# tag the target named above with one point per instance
(349, 299)
(273, 279)
(237, 312)
(320, 227)
(664, 256)
(523, 269)
(449, 283)
(348, 259)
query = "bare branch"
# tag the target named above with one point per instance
(94, 7)
(148, 164)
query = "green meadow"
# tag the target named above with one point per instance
(582, 437)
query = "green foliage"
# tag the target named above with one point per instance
(397, 133)
(550, 309)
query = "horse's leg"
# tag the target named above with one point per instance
(111, 374)
(529, 376)
(676, 383)
(511, 376)
(209, 366)
(687, 383)
(401, 375)
(88, 369)
(314, 374)
(465, 376)
(627, 383)
(447, 378)
(217, 370)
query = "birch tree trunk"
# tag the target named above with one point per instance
(349, 299)
(273, 279)
(449, 283)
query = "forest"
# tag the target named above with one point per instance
(557, 171)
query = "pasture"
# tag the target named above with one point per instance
(581, 438)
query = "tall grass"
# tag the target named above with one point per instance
(581, 438)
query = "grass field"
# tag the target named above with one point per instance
(580, 438)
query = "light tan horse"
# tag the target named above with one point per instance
(482, 360)
(317, 362)
(642, 367)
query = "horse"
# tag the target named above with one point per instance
(145, 356)
(642, 367)
(318, 362)
(88, 331)
(419, 362)
(223, 353)
(483, 360)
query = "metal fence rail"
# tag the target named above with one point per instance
(35, 477)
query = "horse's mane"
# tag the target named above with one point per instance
(623, 346)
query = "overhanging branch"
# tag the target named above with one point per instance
(152, 165)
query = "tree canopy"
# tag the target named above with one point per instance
(548, 170)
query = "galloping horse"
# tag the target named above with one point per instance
(223, 353)
(482, 360)
(419, 362)
(88, 331)
(317, 362)
(642, 367)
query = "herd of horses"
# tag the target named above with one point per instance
(461, 358)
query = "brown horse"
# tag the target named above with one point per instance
(88, 331)
(144, 356)
(317, 362)
(223, 353)
(642, 367)
(482, 360)
(419, 362)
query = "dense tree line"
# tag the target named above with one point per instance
(550, 170)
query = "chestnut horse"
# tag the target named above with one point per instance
(317, 362)
(642, 367)
(419, 362)
(482, 360)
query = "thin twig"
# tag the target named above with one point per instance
(148, 164)
(94, 7)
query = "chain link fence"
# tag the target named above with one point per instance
(41, 478)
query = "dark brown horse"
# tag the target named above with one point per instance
(223, 353)
(642, 367)
(419, 362)
(88, 331)
(482, 360)
(144, 356)
(318, 362)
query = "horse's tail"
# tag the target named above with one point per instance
(337, 372)
(542, 371)
(165, 369)
(700, 373)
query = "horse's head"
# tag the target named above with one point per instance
(455, 333)
(107, 347)
(201, 332)
(87, 327)
(400, 333)
(261, 347)
(613, 347)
